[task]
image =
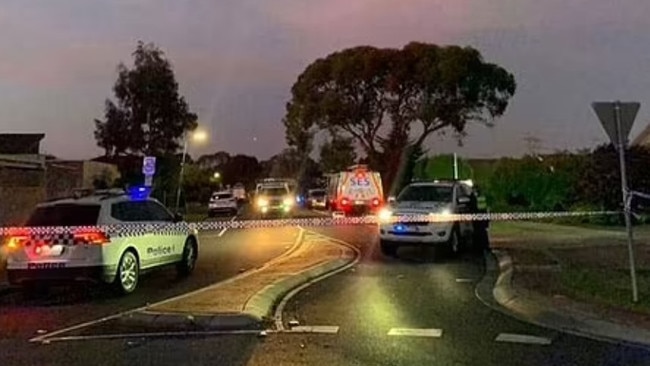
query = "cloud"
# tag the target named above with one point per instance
(236, 60)
(72, 66)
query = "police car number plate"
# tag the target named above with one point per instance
(49, 251)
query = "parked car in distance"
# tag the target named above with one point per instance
(222, 202)
(317, 199)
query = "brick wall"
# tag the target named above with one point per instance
(63, 177)
(94, 170)
(21, 188)
(16, 203)
(25, 183)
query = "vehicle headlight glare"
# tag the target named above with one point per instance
(385, 215)
(288, 201)
(262, 202)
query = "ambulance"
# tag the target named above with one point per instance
(355, 191)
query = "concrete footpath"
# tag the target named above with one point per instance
(247, 300)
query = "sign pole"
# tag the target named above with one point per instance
(180, 175)
(627, 209)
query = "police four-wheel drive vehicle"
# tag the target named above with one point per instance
(416, 217)
(90, 250)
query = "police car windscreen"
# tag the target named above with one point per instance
(64, 215)
(317, 194)
(222, 196)
(273, 192)
(426, 194)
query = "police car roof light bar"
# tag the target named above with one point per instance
(139, 193)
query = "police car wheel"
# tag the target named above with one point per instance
(481, 239)
(128, 273)
(188, 261)
(388, 249)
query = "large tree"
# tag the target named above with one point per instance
(148, 116)
(213, 161)
(390, 100)
(337, 154)
(240, 169)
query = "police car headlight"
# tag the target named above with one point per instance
(440, 216)
(288, 201)
(262, 202)
(385, 215)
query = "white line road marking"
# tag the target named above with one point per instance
(328, 329)
(414, 332)
(47, 336)
(152, 335)
(464, 280)
(522, 338)
(223, 231)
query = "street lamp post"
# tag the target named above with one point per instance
(180, 176)
(196, 136)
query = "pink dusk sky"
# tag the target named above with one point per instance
(236, 60)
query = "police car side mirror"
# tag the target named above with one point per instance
(178, 217)
(463, 200)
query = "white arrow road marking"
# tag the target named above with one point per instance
(223, 231)
(522, 338)
(329, 329)
(414, 332)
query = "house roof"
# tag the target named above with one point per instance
(20, 143)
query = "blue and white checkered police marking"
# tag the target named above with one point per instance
(138, 229)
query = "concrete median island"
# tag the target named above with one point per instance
(248, 299)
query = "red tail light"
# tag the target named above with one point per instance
(91, 237)
(344, 201)
(375, 202)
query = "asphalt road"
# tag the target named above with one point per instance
(420, 292)
(222, 255)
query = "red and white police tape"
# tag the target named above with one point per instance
(142, 228)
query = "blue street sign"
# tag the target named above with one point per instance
(149, 165)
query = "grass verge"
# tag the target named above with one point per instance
(536, 235)
(606, 286)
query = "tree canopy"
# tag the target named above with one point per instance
(388, 100)
(600, 181)
(148, 115)
(337, 154)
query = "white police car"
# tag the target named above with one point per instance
(111, 236)
(417, 216)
